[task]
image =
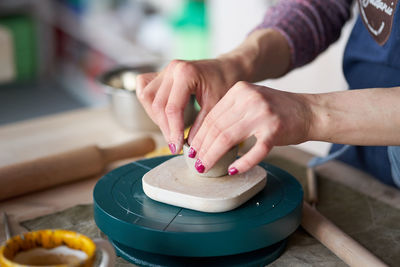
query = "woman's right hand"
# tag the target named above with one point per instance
(164, 95)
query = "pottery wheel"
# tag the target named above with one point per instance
(131, 219)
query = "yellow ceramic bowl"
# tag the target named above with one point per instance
(47, 239)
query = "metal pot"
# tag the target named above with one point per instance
(120, 86)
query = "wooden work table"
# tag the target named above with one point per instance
(61, 132)
(48, 135)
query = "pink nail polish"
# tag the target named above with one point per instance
(199, 166)
(172, 148)
(192, 153)
(232, 171)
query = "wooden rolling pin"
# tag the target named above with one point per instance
(336, 240)
(41, 173)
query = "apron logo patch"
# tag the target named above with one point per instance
(377, 16)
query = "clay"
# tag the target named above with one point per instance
(55, 256)
(219, 169)
(173, 183)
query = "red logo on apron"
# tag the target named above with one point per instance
(377, 16)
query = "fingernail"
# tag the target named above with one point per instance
(232, 171)
(172, 148)
(199, 166)
(192, 152)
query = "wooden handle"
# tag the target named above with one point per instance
(336, 240)
(312, 187)
(41, 173)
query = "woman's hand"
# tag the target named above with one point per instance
(264, 54)
(273, 117)
(164, 95)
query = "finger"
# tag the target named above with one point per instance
(224, 131)
(143, 80)
(197, 122)
(222, 143)
(147, 94)
(205, 109)
(256, 154)
(209, 123)
(158, 108)
(178, 99)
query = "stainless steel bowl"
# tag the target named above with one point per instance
(120, 86)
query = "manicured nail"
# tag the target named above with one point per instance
(232, 171)
(172, 148)
(192, 152)
(199, 166)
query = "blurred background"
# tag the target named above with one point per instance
(52, 51)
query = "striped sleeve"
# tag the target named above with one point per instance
(310, 26)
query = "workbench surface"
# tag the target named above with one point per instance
(364, 208)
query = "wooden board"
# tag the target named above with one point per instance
(173, 183)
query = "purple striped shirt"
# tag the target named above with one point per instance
(310, 26)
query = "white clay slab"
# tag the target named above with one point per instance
(173, 183)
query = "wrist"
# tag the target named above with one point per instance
(264, 54)
(236, 66)
(319, 118)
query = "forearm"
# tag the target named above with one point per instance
(291, 34)
(357, 117)
(263, 54)
(310, 26)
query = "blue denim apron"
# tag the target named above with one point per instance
(367, 64)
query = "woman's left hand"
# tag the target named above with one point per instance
(273, 117)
